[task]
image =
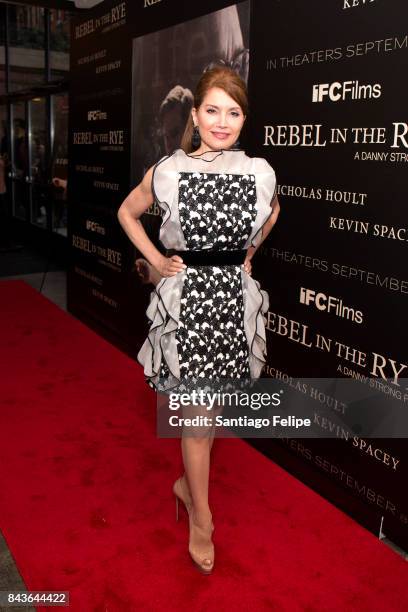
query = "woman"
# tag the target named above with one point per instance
(206, 313)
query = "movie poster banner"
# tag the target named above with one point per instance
(329, 113)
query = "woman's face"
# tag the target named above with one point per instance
(219, 119)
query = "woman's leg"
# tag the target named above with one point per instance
(196, 444)
(193, 455)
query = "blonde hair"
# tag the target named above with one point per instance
(225, 78)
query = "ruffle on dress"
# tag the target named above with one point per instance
(163, 314)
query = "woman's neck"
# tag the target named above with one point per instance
(206, 149)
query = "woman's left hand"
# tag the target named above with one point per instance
(247, 265)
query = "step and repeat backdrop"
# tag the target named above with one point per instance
(329, 110)
(328, 102)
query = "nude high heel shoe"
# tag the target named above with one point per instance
(181, 493)
(200, 546)
(200, 537)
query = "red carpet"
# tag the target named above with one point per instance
(86, 503)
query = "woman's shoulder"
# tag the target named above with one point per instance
(170, 162)
(176, 154)
(261, 164)
(265, 176)
(164, 174)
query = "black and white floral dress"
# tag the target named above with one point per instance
(208, 321)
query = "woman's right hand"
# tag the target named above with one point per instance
(170, 266)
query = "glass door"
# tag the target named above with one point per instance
(59, 161)
(19, 168)
(39, 170)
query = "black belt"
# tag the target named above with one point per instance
(210, 258)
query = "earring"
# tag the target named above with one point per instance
(196, 139)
